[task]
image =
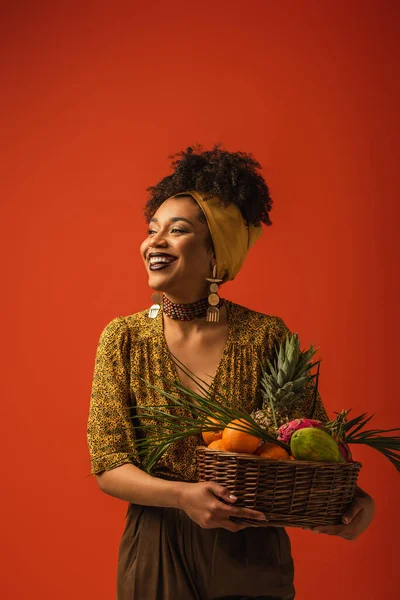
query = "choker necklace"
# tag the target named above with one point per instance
(187, 312)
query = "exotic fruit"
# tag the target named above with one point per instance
(272, 451)
(216, 445)
(236, 438)
(345, 451)
(283, 383)
(212, 436)
(315, 444)
(286, 430)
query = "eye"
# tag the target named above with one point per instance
(173, 230)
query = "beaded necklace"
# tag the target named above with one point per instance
(187, 312)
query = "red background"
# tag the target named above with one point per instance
(95, 97)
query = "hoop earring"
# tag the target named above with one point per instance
(213, 298)
(156, 298)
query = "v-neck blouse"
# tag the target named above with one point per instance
(220, 366)
(134, 346)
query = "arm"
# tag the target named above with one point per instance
(201, 501)
(110, 435)
(128, 482)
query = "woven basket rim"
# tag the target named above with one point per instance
(294, 463)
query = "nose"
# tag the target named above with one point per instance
(157, 240)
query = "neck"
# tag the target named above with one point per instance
(186, 296)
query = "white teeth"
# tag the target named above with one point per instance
(154, 260)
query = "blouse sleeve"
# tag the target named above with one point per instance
(305, 408)
(110, 434)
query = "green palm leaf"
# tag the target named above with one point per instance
(353, 432)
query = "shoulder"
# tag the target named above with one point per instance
(114, 328)
(254, 326)
(114, 339)
(135, 326)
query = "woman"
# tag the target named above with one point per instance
(179, 541)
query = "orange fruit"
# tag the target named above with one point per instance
(212, 436)
(234, 440)
(270, 450)
(216, 445)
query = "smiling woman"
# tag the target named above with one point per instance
(179, 539)
(178, 258)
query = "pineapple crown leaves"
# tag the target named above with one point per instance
(284, 384)
(291, 362)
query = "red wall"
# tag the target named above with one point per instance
(94, 100)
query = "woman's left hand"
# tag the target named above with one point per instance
(356, 519)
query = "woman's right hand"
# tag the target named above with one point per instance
(204, 503)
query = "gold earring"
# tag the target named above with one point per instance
(156, 298)
(213, 298)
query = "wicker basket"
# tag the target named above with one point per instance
(290, 493)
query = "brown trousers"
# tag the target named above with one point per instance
(164, 555)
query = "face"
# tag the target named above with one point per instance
(175, 253)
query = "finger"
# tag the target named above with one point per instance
(253, 523)
(351, 513)
(221, 492)
(245, 513)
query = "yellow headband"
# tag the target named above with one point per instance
(232, 237)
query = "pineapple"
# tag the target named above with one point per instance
(282, 387)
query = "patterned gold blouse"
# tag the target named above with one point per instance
(136, 344)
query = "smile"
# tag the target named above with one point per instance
(156, 263)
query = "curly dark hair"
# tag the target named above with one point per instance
(231, 175)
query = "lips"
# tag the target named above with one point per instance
(159, 266)
(160, 260)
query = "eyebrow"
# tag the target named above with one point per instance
(172, 220)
